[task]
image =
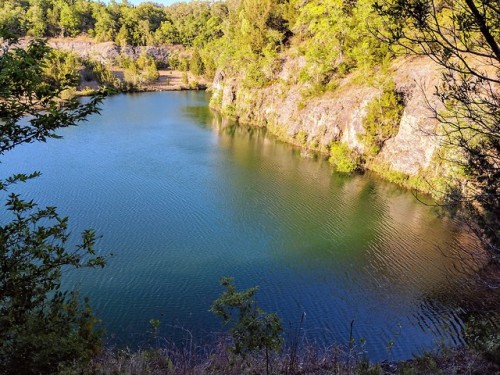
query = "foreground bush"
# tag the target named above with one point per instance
(42, 327)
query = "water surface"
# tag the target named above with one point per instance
(182, 197)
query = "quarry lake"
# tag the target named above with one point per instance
(182, 197)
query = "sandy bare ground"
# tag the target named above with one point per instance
(169, 80)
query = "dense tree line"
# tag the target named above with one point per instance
(146, 24)
(334, 35)
(234, 35)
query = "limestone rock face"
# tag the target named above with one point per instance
(108, 52)
(414, 145)
(338, 115)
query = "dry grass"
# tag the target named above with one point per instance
(218, 359)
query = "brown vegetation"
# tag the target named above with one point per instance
(216, 359)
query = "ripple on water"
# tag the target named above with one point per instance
(181, 202)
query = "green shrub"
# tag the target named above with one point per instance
(314, 143)
(131, 75)
(150, 74)
(139, 72)
(382, 119)
(183, 64)
(230, 110)
(301, 137)
(216, 100)
(59, 333)
(42, 328)
(196, 64)
(148, 68)
(251, 328)
(185, 78)
(173, 62)
(97, 71)
(62, 68)
(482, 335)
(343, 158)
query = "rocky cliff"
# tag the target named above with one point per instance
(314, 122)
(107, 52)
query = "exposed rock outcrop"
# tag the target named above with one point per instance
(413, 147)
(314, 122)
(108, 52)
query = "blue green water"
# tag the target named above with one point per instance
(182, 197)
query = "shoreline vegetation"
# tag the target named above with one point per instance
(121, 78)
(121, 69)
(169, 80)
(248, 43)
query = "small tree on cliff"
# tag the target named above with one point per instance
(462, 37)
(41, 327)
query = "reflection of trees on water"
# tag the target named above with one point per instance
(355, 232)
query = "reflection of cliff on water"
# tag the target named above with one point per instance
(374, 253)
(405, 240)
(361, 234)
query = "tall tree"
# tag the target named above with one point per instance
(104, 25)
(11, 18)
(36, 18)
(69, 20)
